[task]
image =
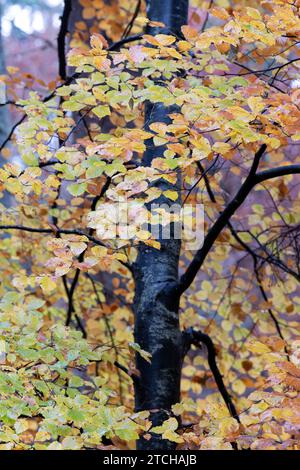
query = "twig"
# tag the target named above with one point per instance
(128, 28)
(52, 231)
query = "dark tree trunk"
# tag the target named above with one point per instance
(3, 110)
(156, 273)
(6, 199)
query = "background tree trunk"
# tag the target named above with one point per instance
(3, 109)
(6, 199)
(156, 272)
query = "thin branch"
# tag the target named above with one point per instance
(207, 183)
(252, 180)
(207, 16)
(113, 47)
(251, 252)
(45, 100)
(116, 45)
(110, 334)
(263, 71)
(71, 308)
(191, 272)
(52, 232)
(123, 369)
(75, 280)
(129, 27)
(10, 102)
(191, 336)
(259, 282)
(12, 131)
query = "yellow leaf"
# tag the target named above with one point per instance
(221, 147)
(101, 111)
(238, 387)
(228, 426)
(184, 46)
(2, 347)
(254, 13)
(88, 13)
(155, 244)
(159, 39)
(215, 443)
(258, 348)
(173, 195)
(143, 234)
(172, 436)
(256, 104)
(55, 446)
(71, 443)
(219, 12)
(170, 424)
(191, 34)
(47, 284)
(98, 41)
(141, 20)
(120, 257)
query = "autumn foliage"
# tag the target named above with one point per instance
(67, 346)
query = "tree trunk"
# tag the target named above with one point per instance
(156, 272)
(6, 198)
(3, 109)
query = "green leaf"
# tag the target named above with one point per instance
(76, 189)
(101, 111)
(30, 159)
(64, 91)
(76, 415)
(35, 303)
(95, 170)
(72, 106)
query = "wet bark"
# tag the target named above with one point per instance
(156, 273)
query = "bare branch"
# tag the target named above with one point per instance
(252, 180)
(52, 232)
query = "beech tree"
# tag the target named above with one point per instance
(115, 331)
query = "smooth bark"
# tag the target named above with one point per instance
(156, 273)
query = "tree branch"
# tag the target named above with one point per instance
(113, 47)
(276, 172)
(128, 28)
(251, 252)
(52, 232)
(116, 45)
(191, 336)
(75, 280)
(259, 282)
(191, 272)
(252, 180)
